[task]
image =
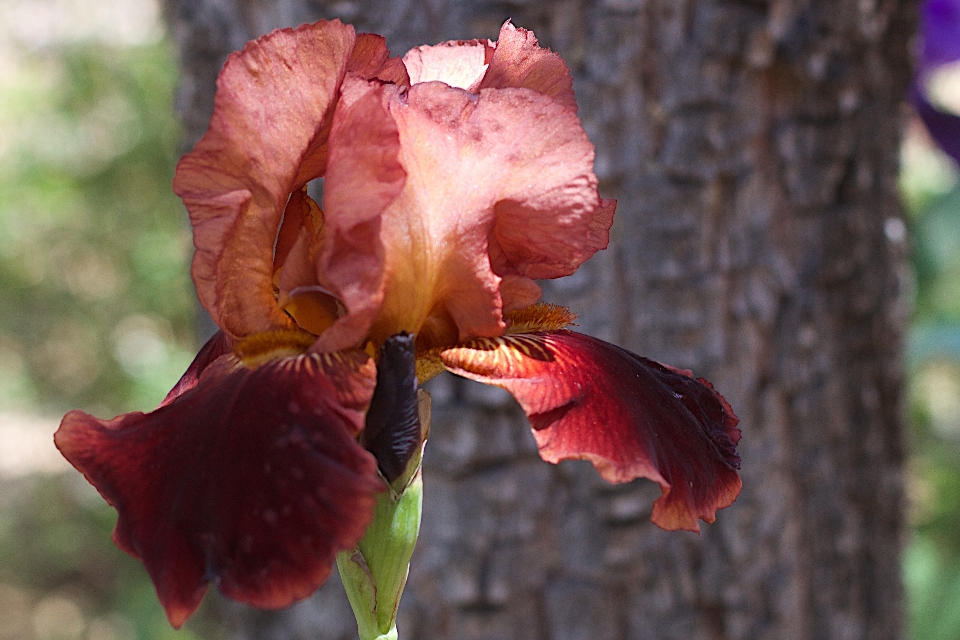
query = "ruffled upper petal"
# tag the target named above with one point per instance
(497, 185)
(371, 60)
(266, 139)
(519, 61)
(458, 63)
(517, 153)
(364, 177)
(300, 215)
(631, 417)
(252, 480)
(515, 60)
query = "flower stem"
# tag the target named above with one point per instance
(374, 573)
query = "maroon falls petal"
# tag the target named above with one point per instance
(631, 417)
(252, 480)
(216, 346)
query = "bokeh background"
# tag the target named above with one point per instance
(96, 306)
(97, 312)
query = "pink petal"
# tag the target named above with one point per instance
(363, 178)
(298, 243)
(549, 231)
(518, 292)
(631, 417)
(519, 61)
(498, 185)
(458, 63)
(301, 213)
(266, 139)
(299, 275)
(598, 233)
(253, 480)
(371, 60)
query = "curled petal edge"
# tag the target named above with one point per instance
(631, 417)
(519, 61)
(218, 345)
(236, 181)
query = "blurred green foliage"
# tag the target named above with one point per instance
(62, 578)
(98, 310)
(931, 190)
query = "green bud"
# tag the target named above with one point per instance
(375, 572)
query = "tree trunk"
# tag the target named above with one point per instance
(753, 148)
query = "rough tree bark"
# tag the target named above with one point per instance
(753, 147)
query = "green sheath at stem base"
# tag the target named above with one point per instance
(375, 571)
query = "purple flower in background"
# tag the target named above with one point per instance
(940, 31)
(940, 25)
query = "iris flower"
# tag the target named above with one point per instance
(454, 178)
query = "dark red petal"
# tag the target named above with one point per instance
(631, 417)
(215, 347)
(253, 480)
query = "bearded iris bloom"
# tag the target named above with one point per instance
(454, 178)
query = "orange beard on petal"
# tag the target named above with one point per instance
(270, 345)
